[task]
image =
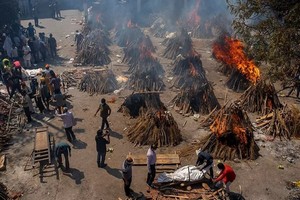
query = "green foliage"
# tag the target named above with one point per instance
(8, 12)
(271, 29)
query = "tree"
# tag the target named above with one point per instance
(271, 30)
(9, 12)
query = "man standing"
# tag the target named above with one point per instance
(25, 105)
(226, 176)
(127, 175)
(101, 143)
(105, 111)
(151, 161)
(65, 149)
(52, 45)
(69, 122)
(208, 159)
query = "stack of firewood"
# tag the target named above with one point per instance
(70, 78)
(136, 102)
(4, 194)
(155, 127)
(261, 98)
(136, 50)
(196, 93)
(180, 45)
(282, 122)
(232, 135)
(94, 49)
(126, 35)
(101, 81)
(159, 28)
(146, 75)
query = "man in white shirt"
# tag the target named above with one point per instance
(69, 122)
(151, 161)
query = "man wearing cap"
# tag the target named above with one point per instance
(69, 122)
(127, 175)
(151, 161)
(204, 156)
(101, 143)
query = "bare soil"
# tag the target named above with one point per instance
(258, 180)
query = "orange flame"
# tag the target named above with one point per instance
(193, 70)
(194, 18)
(232, 54)
(221, 126)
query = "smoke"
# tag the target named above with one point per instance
(144, 12)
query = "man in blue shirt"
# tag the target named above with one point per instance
(65, 149)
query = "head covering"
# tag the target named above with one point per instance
(17, 64)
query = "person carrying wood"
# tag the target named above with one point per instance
(101, 143)
(127, 175)
(225, 178)
(151, 161)
(65, 149)
(105, 111)
(204, 156)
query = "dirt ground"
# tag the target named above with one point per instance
(258, 180)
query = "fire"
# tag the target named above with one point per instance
(129, 24)
(232, 124)
(193, 70)
(231, 53)
(194, 18)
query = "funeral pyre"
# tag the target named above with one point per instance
(242, 71)
(136, 103)
(136, 50)
(146, 71)
(94, 49)
(124, 35)
(196, 93)
(159, 27)
(154, 124)
(204, 25)
(181, 44)
(282, 122)
(261, 98)
(231, 137)
(93, 81)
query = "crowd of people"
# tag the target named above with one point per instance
(26, 46)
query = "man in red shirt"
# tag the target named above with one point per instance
(226, 177)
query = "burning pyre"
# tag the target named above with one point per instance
(261, 98)
(155, 126)
(196, 95)
(231, 137)
(98, 81)
(146, 71)
(230, 52)
(94, 49)
(136, 50)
